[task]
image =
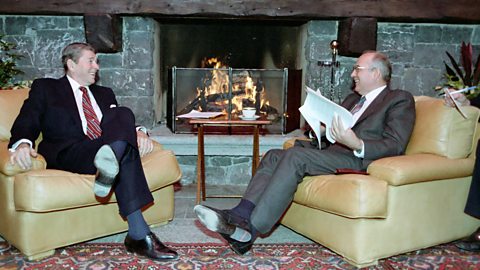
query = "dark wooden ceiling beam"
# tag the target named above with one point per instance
(464, 11)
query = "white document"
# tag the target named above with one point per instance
(318, 109)
(198, 114)
(455, 102)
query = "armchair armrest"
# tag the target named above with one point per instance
(415, 168)
(8, 169)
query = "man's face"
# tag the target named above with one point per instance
(363, 74)
(85, 69)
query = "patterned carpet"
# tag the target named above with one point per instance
(98, 256)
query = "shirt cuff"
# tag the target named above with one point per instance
(360, 153)
(15, 145)
(142, 129)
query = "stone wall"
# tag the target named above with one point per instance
(417, 52)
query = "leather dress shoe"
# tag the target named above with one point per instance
(207, 214)
(471, 243)
(107, 169)
(150, 247)
(238, 247)
(214, 219)
(222, 221)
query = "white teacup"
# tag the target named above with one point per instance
(248, 112)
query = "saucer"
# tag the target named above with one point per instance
(248, 118)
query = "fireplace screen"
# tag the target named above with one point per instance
(228, 90)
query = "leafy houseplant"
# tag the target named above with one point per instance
(463, 74)
(8, 66)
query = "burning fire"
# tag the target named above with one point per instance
(244, 89)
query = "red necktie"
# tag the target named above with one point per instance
(358, 106)
(93, 125)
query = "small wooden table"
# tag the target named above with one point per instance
(217, 122)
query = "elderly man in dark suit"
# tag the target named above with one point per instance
(384, 120)
(84, 131)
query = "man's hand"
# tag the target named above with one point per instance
(23, 156)
(459, 97)
(145, 144)
(345, 136)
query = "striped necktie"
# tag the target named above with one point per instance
(358, 106)
(93, 125)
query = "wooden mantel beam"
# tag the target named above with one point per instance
(458, 11)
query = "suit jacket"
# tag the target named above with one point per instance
(385, 126)
(52, 111)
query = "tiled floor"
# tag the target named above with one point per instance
(185, 228)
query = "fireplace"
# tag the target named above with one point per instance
(229, 90)
(224, 65)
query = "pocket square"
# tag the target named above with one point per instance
(112, 106)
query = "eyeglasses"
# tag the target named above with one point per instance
(357, 68)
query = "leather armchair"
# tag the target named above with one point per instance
(406, 202)
(43, 209)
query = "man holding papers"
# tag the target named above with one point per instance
(472, 207)
(383, 120)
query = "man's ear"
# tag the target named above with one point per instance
(377, 75)
(70, 64)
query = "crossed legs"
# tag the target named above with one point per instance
(270, 192)
(115, 159)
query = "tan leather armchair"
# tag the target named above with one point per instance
(43, 209)
(406, 202)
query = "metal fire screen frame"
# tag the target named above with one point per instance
(173, 121)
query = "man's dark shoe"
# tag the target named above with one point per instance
(107, 169)
(214, 219)
(238, 247)
(150, 247)
(471, 243)
(224, 222)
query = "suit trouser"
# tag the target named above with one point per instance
(279, 173)
(131, 188)
(473, 201)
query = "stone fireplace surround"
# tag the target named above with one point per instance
(417, 51)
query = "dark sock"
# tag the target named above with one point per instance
(137, 226)
(244, 209)
(118, 148)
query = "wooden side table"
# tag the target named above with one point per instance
(218, 122)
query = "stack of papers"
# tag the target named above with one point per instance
(198, 114)
(318, 109)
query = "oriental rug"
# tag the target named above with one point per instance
(219, 256)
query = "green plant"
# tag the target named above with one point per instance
(8, 64)
(465, 74)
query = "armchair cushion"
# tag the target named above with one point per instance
(441, 130)
(349, 195)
